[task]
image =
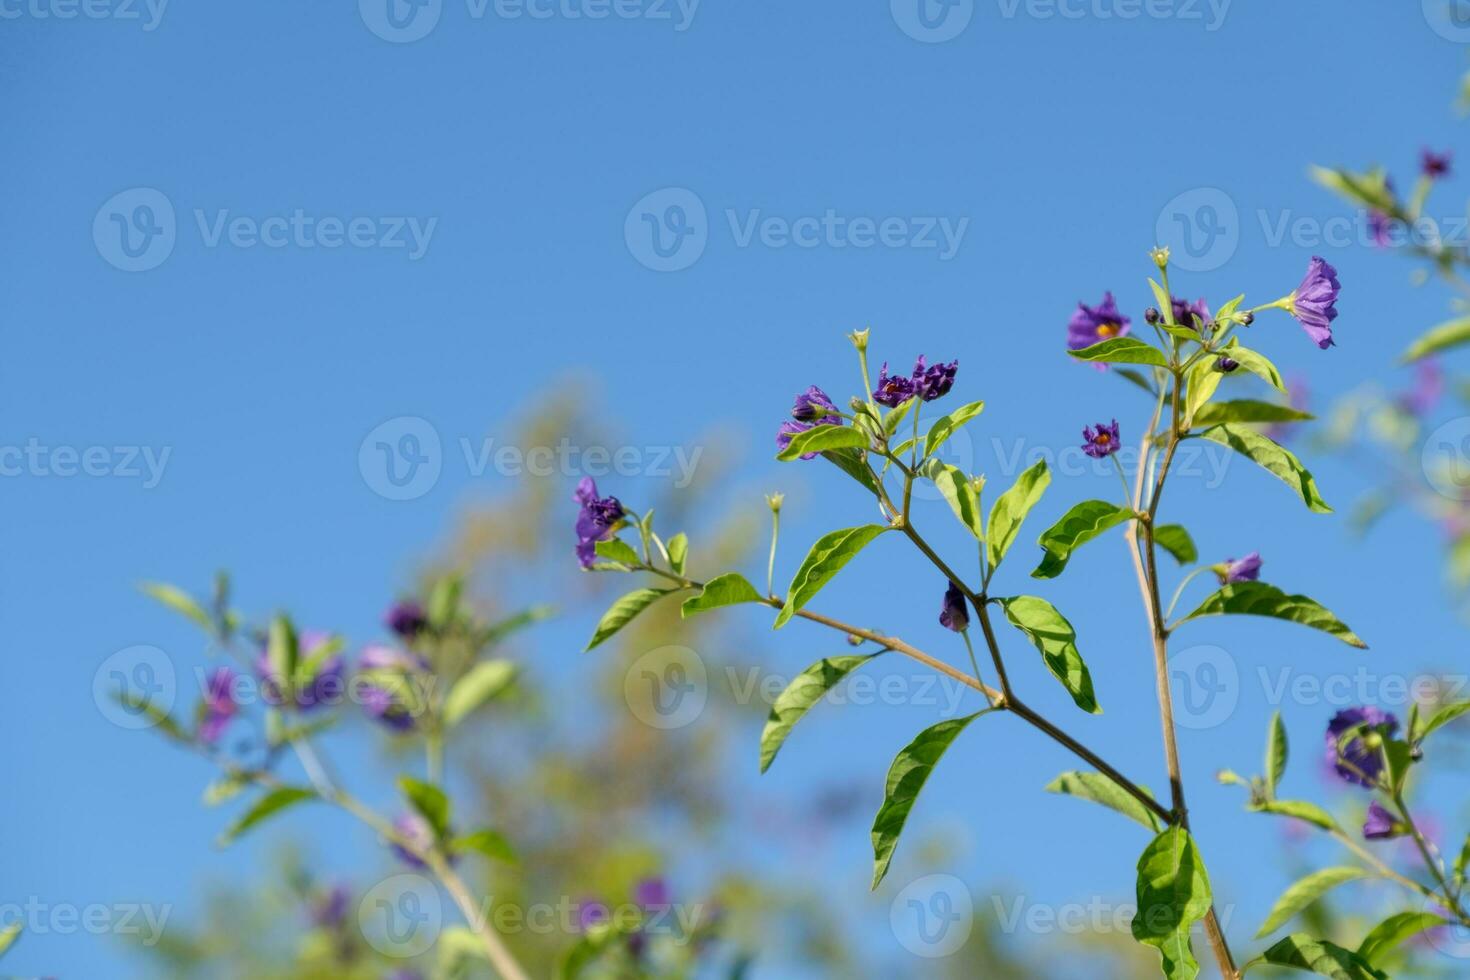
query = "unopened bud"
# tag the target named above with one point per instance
(1151, 315)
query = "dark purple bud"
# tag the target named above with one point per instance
(651, 892)
(1185, 312)
(219, 705)
(954, 614)
(1434, 165)
(1360, 759)
(406, 618)
(1102, 441)
(1226, 365)
(1151, 315)
(893, 390)
(590, 912)
(1313, 302)
(1247, 318)
(1381, 825)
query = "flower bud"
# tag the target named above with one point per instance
(1160, 255)
(859, 339)
(1247, 318)
(774, 501)
(1151, 315)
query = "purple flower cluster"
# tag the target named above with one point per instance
(1313, 303)
(1360, 759)
(812, 408)
(954, 614)
(926, 383)
(326, 686)
(1093, 324)
(598, 520)
(218, 704)
(1102, 441)
(379, 696)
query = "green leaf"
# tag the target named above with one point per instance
(480, 683)
(1306, 891)
(1247, 411)
(678, 548)
(1272, 457)
(1162, 300)
(8, 936)
(308, 668)
(959, 492)
(1098, 788)
(1394, 930)
(444, 601)
(1137, 378)
(1173, 893)
(1260, 599)
(1077, 526)
(906, 777)
(1276, 752)
(894, 418)
(266, 806)
(498, 631)
(1057, 641)
(1204, 378)
(1174, 539)
(728, 589)
(490, 843)
(1122, 350)
(621, 613)
(854, 464)
(179, 601)
(223, 789)
(1443, 717)
(827, 557)
(1370, 189)
(281, 649)
(800, 695)
(1010, 510)
(1452, 333)
(942, 429)
(1298, 809)
(618, 550)
(1318, 956)
(1256, 364)
(157, 716)
(822, 438)
(429, 801)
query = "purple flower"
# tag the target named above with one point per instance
(892, 390)
(1094, 324)
(1101, 442)
(329, 910)
(597, 520)
(1246, 569)
(417, 831)
(219, 705)
(1313, 302)
(934, 382)
(1185, 312)
(651, 892)
(954, 614)
(812, 405)
(326, 687)
(1226, 364)
(406, 618)
(382, 697)
(1428, 386)
(1380, 824)
(1361, 758)
(590, 912)
(1380, 226)
(1434, 165)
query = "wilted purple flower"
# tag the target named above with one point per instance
(1434, 165)
(328, 684)
(380, 696)
(892, 390)
(1313, 302)
(812, 405)
(330, 909)
(597, 520)
(1246, 569)
(1361, 758)
(1094, 324)
(406, 618)
(1428, 386)
(219, 705)
(954, 614)
(590, 912)
(1185, 311)
(1380, 824)
(934, 382)
(1226, 364)
(417, 831)
(1102, 441)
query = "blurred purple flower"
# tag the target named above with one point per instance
(1361, 758)
(406, 618)
(1094, 324)
(329, 910)
(892, 390)
(1380, 824)
(1434, 165)
(1313, 302)
(219, 705)
(1246, 569)
(596, 521)
(590, 912)
(1428, 386)
(954, 615)
(651, 892)
(936, 381)
(813, 404)
(378, 696)
(325, 688)
(417, 831)
(1101, 442)
(1380, 226)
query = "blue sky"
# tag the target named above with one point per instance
(367, 227)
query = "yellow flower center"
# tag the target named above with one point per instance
(1106, 330)
(1103, 439)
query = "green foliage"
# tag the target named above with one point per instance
(1298, 809)
(853, 462)
(678, 549)
(1318, 956)
(800, 695)
(618, 550)
(1394, 930)
(1010, 510)
(945, 427)
(9, 935)
(1304, 892)
(1273, 458)
(1173, 893)
(180, 602)
(1057, 641)
(958, 492)
(1276, 752)
(1442, 717)
(1174, 539)
(281, 649)
(1098, 788)
(1256, 363)
(429, 802)
(823, 438)
(623, 611)
(827, 557)
(1077, 526)
(1248, 411)
(1452, 333)
(480, 683)
(728, 589)
(1122, 350)
(1260, 599)
(490, 843)
(265, 806)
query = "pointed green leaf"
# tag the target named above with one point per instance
(1248, 411)
(1203, 379)
(223, 789)
(1276, 752)
(428, 801)
(1077, 526)
(1274, 459)
(1010, 510)
(945, 427)
(1174, 539)
(444, 600)
(8, 935)
(1057, 641)
(823, 438)
(1260, 599)
(1306, 891)
(1098, 788)
(281, 649)
(1318, 956)
(1443, 717)
(158, 718)
(959, 492)
(1394, 930)
(678, 548)
(1256, 364)
(1173, 894)
(480, 683)
(854, 464)
(179, 601)
(488, 842)
(621, 613)
(728, 589)
(1136, 377)
(618, 550)
(263, 808)
(499, 630)
(1122, 350)
(1452, 333)
(800, 695)
(827, 557)
(906, 777)
(1369, 189)
(1162, 301)
(1298, 809)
